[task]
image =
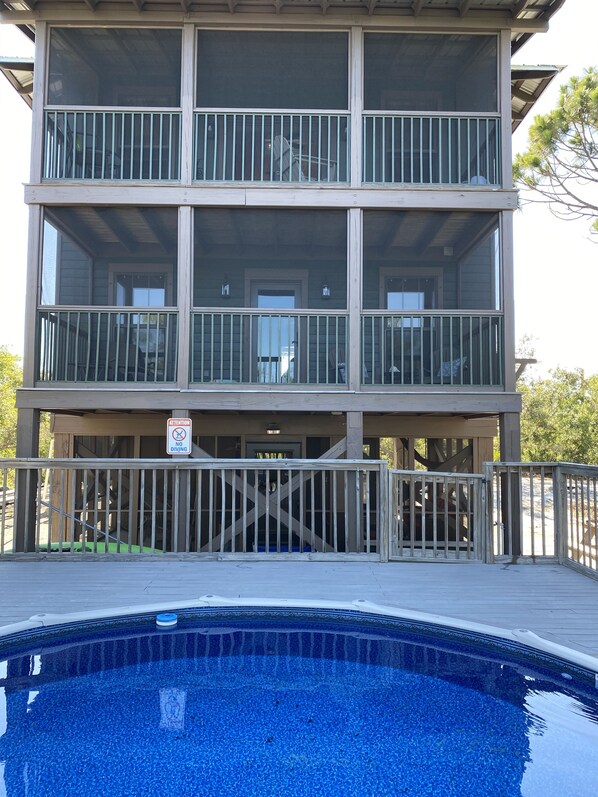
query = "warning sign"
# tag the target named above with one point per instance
(178, 436)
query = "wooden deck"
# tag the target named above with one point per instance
(555, 602)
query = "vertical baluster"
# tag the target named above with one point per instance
(204, 157)
(430, 123)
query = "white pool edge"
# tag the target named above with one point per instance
(522, 636)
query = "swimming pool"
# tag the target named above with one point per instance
(290, 701)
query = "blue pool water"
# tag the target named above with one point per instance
(293, 704)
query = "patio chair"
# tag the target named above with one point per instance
(287, 166)
(451, 371)
(129, 365)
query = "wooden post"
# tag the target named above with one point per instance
(354, 508)
(26, 482)
(510, 451)
(59, 486)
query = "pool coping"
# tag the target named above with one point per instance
(523, 636)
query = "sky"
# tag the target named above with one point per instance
(556, 265)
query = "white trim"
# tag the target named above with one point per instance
(522, 636)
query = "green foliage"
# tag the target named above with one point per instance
(560, 166)
(559, 421)
(10, 379)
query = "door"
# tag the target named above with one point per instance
(275, 332)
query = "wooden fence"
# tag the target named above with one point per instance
(336, 508)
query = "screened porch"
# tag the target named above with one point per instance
(428, 108)
(268, 301)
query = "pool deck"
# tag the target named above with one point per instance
(553, 601)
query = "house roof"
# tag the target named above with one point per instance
(528, 10)
(527, 85)
(19, 73)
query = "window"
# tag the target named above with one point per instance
(140, 290)
(410, 293)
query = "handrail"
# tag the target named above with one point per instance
(115, 345)
(431, 148)
(118, 144)
(256, 347)
(432, 347)
(239, 145)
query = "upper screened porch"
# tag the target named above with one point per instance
(272, 107)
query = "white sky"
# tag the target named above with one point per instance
(556, 265)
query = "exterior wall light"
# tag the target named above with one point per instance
(325, 291)
(273, 428)
(225, 289)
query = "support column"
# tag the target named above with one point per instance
(510, 437)
(356, 105)
(354, 292)
(510, 451)
(26, 482)
(187, 103)
(184, 296)
(354, 508)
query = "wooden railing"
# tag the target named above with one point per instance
(196, 506)
(544, 511)
(432, 348)
(271, 147)
(253, 347)
(91, 345)
(112, 144)
(436, 515)
(431, 149)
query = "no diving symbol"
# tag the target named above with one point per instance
(179, 434)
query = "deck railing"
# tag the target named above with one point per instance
(92, 345)
(544, 511)
(112, 144)
(436, 515)
(432, 348)
(431, 149)
(196, 506)
(253, 347)
(270, 146)
(266, 147)
(514, 512)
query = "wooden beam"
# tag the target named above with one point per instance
(394, 230)
(106, 15)
(520, 7)
(113, 220)
(430, 231)
(462, 198)
(154, 222)
(427, 400)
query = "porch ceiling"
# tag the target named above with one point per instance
(118, 232)
(121, 232)
(530, 10)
